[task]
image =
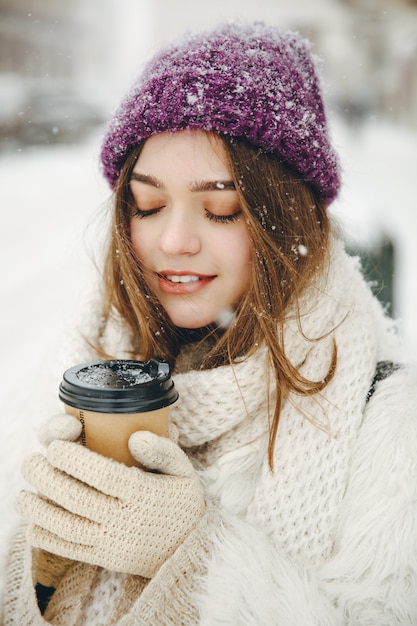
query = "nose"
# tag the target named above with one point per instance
(179, 235)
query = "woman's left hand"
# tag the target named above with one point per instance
(90, 508)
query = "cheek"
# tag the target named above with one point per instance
(239, 250)
(138, 240)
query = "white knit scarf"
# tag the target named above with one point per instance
(223, 415)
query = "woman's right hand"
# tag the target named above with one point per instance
(89, 508)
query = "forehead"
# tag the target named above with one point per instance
(194, 153)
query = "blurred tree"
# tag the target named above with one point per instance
(378, 263)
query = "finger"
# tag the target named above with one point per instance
(160, 454)
(64, 490)
(56, 520)
(63, 426)
(103, 474)
(40, 538)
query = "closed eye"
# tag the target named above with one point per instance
(137, 212)
(223, 219)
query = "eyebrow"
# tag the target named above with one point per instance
(148, 180)
(201, 185)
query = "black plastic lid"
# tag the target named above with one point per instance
(119, 386)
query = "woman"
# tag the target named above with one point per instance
(287, 492)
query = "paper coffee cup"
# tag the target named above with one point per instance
(114, 399)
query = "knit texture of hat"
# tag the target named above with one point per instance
(242, 80)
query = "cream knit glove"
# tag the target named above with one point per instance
(93, 509)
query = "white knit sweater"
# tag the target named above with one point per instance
(329, 538)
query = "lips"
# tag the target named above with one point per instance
(180, 283)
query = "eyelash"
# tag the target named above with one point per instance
(222, 219)
(141, 214)
(219, 219)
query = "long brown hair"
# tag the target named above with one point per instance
(289, 229)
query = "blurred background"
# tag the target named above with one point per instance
(64, 67)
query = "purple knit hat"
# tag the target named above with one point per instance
(241, 80)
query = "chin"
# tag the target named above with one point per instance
(192, 319)
(190, 322)
(192, 325)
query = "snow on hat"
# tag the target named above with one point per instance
(241, 80)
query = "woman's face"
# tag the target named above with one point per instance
(187, 228)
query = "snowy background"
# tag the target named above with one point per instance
(53, 203)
